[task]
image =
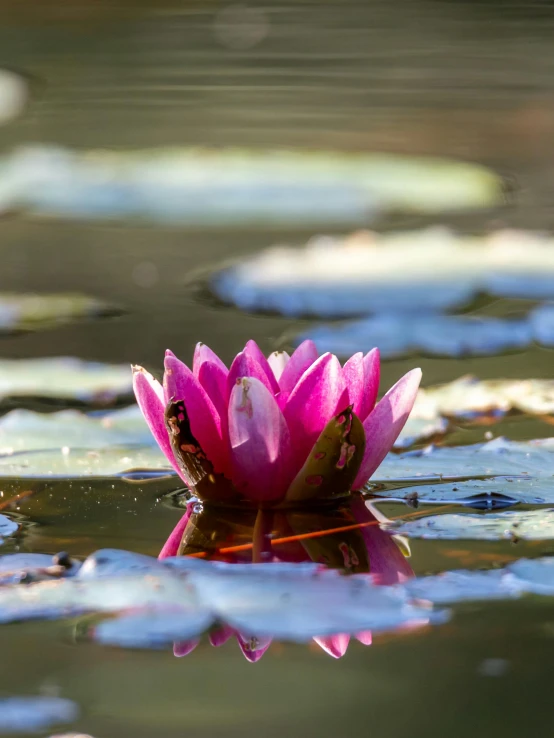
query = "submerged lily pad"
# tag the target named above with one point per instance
(65, 379)
(532, 525)
(28, 312)
(436, 335)
(234, 186)
(368, 273)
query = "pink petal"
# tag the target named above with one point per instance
(214, 380)
(387, 563)
(252, 349)
(244, 365)
(364, 637)
(382, 426)
(300, 361)
(221, 635)
(150, 398)
(372, 375)
(278, 361)
(204, 353)
(171, 546)
(183, 648)
(353, 372)
(335, 645)
(319, 395)
(253, 648)
(260, 442)
(181, 384)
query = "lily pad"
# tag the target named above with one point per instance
(26, 430)
(7, 528)
(367, 273)
(494, 458)
(65, 379)
(435, 335)
(70, 463)
(31, 312)
(532, 525)
(234, 186)
(483, 494)
(35, 714)
(472, 399)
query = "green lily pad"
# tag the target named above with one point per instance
(71, 463)
(494, 458)
(65, 379)
(31, 312)
(26, 430)
(532, 525)
(483, 494)
(237, 186)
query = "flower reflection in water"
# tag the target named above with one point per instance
(346, 537)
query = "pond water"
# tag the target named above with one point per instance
(467, 80)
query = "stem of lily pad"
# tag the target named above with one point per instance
(261, 539)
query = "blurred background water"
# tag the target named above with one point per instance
(469, 80)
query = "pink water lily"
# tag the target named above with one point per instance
(276, 429)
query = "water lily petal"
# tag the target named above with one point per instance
(244, 365)
(364, 637)
(335, 645)
(214, 380)
(301, 360)
(205, 423)
(260, 442)
(204, 353)
(171, 546)
(383, 425)
(319, 395)
(372, 376)
(253, 648)
(150, 399)
(354, 377)
(183, 648)
(278, 361)
(252, 349)
(221, 635)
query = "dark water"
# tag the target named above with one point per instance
(473, 80)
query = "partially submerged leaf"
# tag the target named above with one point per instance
(532, 525)
(65, 379)
(195, 466)
(330, 469)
